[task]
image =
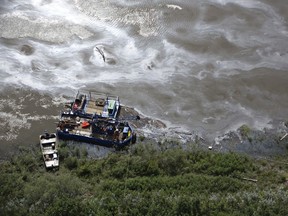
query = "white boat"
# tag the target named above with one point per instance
(49, 150)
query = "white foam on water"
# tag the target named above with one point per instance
(73, 73)
(243, 3)
(66, 77)
(239, 115)
(128, 54)
(174, 7)
(12, 124)
(71, 61)
(65, 10)
(15, 119)
(255, 4)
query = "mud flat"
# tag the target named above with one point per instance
(129, 112)
(264, 142)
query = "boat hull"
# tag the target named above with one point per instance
(93, 140)
(92, 118)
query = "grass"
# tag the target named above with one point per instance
(144, 181)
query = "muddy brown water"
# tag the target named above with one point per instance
(200, 67)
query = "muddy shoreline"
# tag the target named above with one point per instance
(26, 114)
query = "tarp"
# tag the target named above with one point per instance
(111, 104)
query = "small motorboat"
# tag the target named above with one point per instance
(48, 147)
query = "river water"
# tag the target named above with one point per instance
(199, 66)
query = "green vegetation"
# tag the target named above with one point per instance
(244, 130)
(144, 181)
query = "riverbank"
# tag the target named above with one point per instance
(143, 180)
(27, 113)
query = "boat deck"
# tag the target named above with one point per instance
(94, 106)
(80, 122)
(78, 129)
(104, 130)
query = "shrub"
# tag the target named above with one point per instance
(145, 182)
(172, 162)
(84, 152)
(142, 138)
(244, 130)
(71, 163)
(63, 153)
(84, 171)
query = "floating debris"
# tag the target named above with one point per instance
(284, 137)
